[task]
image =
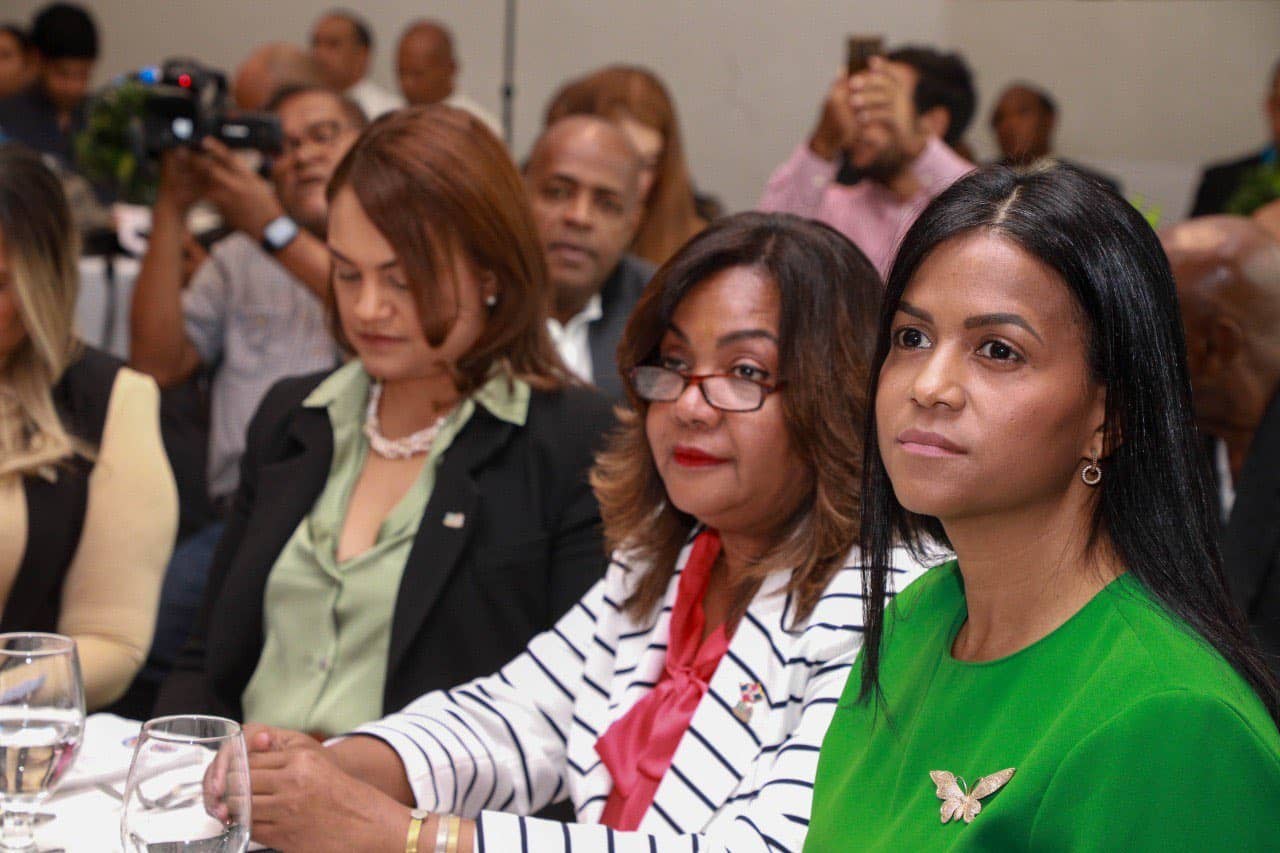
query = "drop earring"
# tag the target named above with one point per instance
(491, 300)
(1091, 473)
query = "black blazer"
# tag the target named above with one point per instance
(617, 298)
(1251, 541)
(55, 510)
(1219, 182)
(470, 597)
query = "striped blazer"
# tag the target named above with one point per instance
(509, 744)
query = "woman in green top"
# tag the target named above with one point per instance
(1077, 679)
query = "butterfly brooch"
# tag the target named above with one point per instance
(958, 801)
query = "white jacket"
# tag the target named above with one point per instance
(511, 743)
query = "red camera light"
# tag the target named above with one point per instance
(184, 80)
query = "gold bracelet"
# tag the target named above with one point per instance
(415, 829)
(455, 832)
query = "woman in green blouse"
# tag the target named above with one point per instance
(407, 522)
(1077, 679)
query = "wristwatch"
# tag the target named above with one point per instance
(280, 232)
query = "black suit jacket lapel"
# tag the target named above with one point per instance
(448, 523)
(1253, 531)
(603, 335)
(286, 490)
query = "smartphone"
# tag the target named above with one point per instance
(860, 49)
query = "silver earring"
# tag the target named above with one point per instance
(491, 300)
(1091, 473)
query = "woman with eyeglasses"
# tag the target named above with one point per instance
(1077, 678)
(681, 701)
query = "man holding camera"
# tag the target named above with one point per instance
(253, 313)
(895, 122)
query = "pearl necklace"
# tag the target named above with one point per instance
(396, 448)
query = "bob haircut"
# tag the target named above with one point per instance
(1153, 505)
(435, 181)
(828, 292)
(624, 91)
(42, 250)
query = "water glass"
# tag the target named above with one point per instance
(41, 726)
(188, 788)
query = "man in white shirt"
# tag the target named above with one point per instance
(341, 46)
(583, 178)
(427, 70)
(269, 68)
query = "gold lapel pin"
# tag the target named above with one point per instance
(958, 801)
(454, 520)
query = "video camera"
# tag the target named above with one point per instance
(186, 102)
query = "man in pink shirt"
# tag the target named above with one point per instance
(895, 124)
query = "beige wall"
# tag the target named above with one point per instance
(1148, 88)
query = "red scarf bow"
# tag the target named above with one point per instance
(638, 748)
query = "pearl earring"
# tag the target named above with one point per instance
(491, 300)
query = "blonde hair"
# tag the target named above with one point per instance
(40, 249)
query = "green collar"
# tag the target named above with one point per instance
(345, 393)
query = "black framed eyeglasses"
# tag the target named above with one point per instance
(723, 391)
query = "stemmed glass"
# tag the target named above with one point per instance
(188, 788)
(41, 726)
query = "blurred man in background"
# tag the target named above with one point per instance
(341, 46)
(427, 69)
(15, 69)
(268, 69)
(583, 177)
(1228, 274)
(49, 113)
(1219, 182)
(894, 123)
(1024, 120)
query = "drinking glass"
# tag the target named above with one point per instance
(188, 788)
(41, 725)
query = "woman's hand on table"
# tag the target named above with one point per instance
(302, 800)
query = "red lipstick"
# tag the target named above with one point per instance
(692, 457)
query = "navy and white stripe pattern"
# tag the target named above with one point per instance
(509, 744)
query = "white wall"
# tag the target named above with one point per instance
(1148, 88)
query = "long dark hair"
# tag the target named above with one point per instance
(1153, 505)
(828, 293)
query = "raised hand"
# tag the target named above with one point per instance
(884, 95)
(246, 200)
(837, 126)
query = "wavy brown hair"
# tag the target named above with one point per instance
(829, 295)
(617, 91)
(435, 180)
